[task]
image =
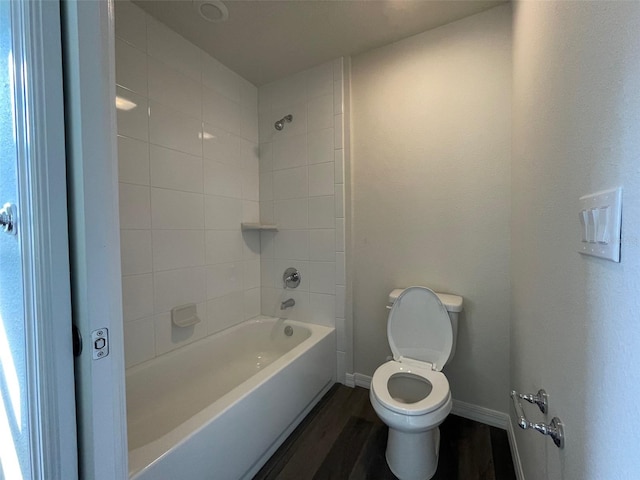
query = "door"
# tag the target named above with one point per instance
(37, 403)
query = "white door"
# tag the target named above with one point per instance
(37, 402)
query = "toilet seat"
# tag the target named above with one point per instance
(438, 396)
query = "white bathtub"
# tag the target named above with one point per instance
(219, 408)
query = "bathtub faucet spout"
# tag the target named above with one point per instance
(287, 304)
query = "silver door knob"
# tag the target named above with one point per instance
(8, 218)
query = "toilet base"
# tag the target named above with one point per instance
(413, 456)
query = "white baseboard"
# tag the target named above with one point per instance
(480, 414)
(470, 411)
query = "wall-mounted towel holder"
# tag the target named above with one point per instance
(555, 429)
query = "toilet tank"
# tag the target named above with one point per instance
(453, 304)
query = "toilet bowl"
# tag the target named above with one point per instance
(410, 394)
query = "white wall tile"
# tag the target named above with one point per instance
(341, 335)
(135, 251)
(341, 366)
(221, 146)
(320, 113)
(248, 95)
(267, 272)
(267, 244)
(338, 86)
(338, 138)
(251, 277)
(291, 183)
(131, 67)
(250, 211)
(220, 111)
(266, 157)
(169, 336)
(320, 80)
(223, 246)
(139, 341)
(322, 245)
(175, 210)
(174, 89)
(218, 77)
(225, 312)
(222, 213)
(177, 249)
(133, 161)
(251, 247)
(169, 47)
(339, 165)
(169, 128)
(341, 292)
(135, 206)
(266, 186)
(249, 124)
(267, 213)
(340, 235)
(290, 152)
(339, 200)
(289, 92)
(250, 187)
(322, 309)
(321, 178)
(322, 277)
(321, 212)
(251, 303)
(175, 170)
(320, 146)
(292, 214)
(292, 244)
(131, 24)
(222, 179)
(340, 269)
(137, 296)
(172, 288)
(135, 121)
(224, 279)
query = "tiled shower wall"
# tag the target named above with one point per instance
(302, 191)
(188, 163)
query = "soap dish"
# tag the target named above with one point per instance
(185, 315)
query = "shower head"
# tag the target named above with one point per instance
(280, 123)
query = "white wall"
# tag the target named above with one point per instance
(302, 191)
(431, 130)
(575, 319)
(188, 168)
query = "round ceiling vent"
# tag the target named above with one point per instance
(212, 10)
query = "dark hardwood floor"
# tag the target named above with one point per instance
(342, 438)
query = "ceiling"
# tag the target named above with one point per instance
(265, 40)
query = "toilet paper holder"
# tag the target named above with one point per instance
(555, 429)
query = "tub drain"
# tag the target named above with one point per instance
(288, 331)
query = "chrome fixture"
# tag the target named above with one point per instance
(287, 304)
(555, 429)
(291, 277)
(288, 330)
(280, 123)
(8, 218)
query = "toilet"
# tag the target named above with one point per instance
(410, 393)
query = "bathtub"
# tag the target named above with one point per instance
(220, 407)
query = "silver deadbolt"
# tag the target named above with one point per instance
(8, 218)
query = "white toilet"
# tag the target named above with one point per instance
(410, 394)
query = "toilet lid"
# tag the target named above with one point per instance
(419, 328)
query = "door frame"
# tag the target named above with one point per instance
(94, 233)
(42, 235)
